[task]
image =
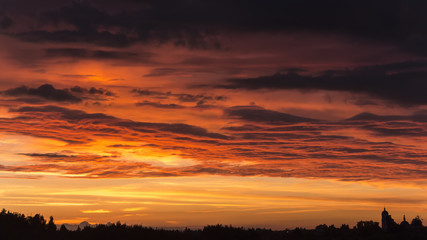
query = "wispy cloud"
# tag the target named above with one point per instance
(96, 211)
(264, 143)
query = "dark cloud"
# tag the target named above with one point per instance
(192, 130)
(45, 91)
(83, 53)
(419, 116)
(390, 130)
(45, 155)
(5, 22)
(202, 101)
(66, 113)
(160, 105)
(409, 126)
(196, 24)
(147, 92)
(278, 126)
(259, 114)
(183, 97)
(199, 98)
(199, 68)
(123, 146)
(48, 92)
(159, 72)
(102, 38)
(403, 83)
(173, 128)
(91, 91)
(363, 102)
(97, 25)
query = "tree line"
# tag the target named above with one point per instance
(16, 226)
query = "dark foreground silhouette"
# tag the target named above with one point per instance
(18, 226)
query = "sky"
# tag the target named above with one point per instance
(276, 114)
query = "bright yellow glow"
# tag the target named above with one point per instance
(96, 211)
(134, 209)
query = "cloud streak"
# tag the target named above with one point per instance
(281, 146)
(401, 83)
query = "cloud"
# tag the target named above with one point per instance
(392, 125)
(91, 91)
(6, 22)
(147, 92)
(45, 91)
(83, 53)
(101, 38)
(244, 140)
(182, 97)
(402, 83)
(66, 158)
(97, 26)
(160, 105)
(48, 92)
(262, 143)
(199, 24)
(259, 114)
(419, 116)
(201, 100)
(65, 113)
(159, 72)
(112, 122)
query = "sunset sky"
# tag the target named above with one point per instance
(174, 113)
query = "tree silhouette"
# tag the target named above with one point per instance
(16, 226)
(51, 225)
(417, 222)
(63, 228)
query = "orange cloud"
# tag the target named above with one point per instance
(266, 143)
